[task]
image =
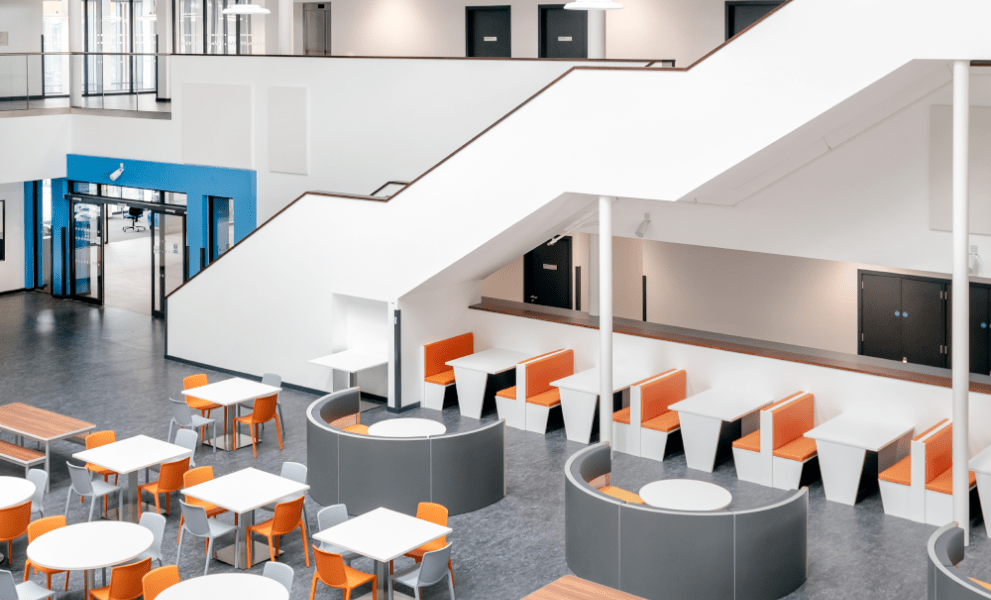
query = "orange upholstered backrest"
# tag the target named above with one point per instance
(793, 419)
(939, 452)
(657, 395)
(930, 430)
(540, 373)
(438, 353)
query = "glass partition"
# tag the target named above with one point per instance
(56, 39)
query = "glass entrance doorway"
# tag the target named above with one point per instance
(168, 251)
(87, 252)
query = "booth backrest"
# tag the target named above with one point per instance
(945, 581)
(939, 451)
(340, 409)
(595, 466)
(792, 419)
(540, 373)
(661, 392)
(926, 433)
(436, 355)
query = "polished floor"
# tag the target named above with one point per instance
(106, 366)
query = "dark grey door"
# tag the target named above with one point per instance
(979, 328)
(547, 274)
(487, 31)
(923, 319)
(563, 33)
(743, 14)
(316, 28)
(880, 314)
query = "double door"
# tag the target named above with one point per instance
(904, 318)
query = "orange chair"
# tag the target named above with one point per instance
(195, 381)
(39, 527)
(125, 582)
(14, 523)
(157, 581)
(195, 477)
(95, 440)
(263, 412)
(436, 514)
(170, 479)
(332, 572)
(288, 516)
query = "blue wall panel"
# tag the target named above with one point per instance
(60, 220)
(29, 273)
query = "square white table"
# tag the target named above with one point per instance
(382, 535)
(705, 420)
(351, 362)
(228, 393)
(471, 376)
(580, 395)
(242, 492)
(981, 466)
(128, 457)
(843, 443)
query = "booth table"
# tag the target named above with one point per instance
(242, 586)
(471, 376)
(686, 495)
(704, 423)
(980, 465)
(407, 427)
(90, 546)
(580, 395)
(14, 491)
(229, 393)
(382, 535)
(843, 444)
(40, 425)
(351, 362)
(129, 456)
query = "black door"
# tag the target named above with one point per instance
(563, 33)
(487, 31)
(547, 274)
(979, 330)
(740, 15)
(923, 333)
(880, 314)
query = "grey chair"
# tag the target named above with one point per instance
(40, 480)
(328, 517)
(275, 381)
(83, 485)
(280, 572)
(296, 472)
(197, 525)
(432, 570)
(29, 590)
(187, 438)
(183, 416)
(155, 523)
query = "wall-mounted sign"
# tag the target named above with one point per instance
(490, 38)
(550, 267)
(4, 38)
(564, 38)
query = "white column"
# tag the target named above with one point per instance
(285, 27)
(75, 45)
(596, 34)
(961, 294)
(605, 318)
(163, 28)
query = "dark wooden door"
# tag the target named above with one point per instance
(563, 33)
(923, 322)
(487, 31)
(979, 327)
(881, 320)
(547, 274)
(740, 15)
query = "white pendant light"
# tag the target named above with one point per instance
(593, 5)
(246, 9)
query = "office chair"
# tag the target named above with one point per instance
(133, 214)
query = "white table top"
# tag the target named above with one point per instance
(407, 427)
(14, 491)
(491, 361)
(92, 545)
(245, 490)
(981, 463)
(727, 405)
(243, 586)
(382, 534)
(588, 380)
(860, 431)
(685, 494)
(232, 391)
(132, 454)
(351, 361)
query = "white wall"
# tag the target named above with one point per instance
(22, 21)
(12, 267)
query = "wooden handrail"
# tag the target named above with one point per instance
(387, 184)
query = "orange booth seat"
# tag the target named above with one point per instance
(527, 405)
(643, 427)
(776, 454)
(437, 376)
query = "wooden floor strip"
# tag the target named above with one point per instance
(570, 587)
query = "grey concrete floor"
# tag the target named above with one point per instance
(107, 366)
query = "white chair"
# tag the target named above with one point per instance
(327, 518)
(155, 523)
(295, 472)
(183, 416)
(187, 438)
(196, 524)
(40, 480)
(83, 485)
(280, 572)
(28, 590)
(431, 571)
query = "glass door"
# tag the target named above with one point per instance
(87, 263)
(168, 257)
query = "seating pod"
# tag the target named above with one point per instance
(777, 452)
(527, 405)
(642, 428)
(437, 376)
(754, 554)
(945, 551)
(463, 471)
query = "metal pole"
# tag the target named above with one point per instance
(961, 294)
(75, 60)
(597, 34)
(605, 318)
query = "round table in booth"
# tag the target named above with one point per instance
(685, 494)
(407, 427)
(242, 586)
(90, 546)
(14, 491)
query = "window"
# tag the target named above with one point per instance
(3, 226)
(200, 27)
(56, 39)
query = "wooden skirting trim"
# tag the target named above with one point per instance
(570, 587)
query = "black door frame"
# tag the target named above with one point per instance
(528, 273)
(541, 29)
(730, 4)
(470, 24)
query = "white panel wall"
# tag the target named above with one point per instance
(217, 125)
(12, 267)
(33, 148)
(22, 21)
(941, 168)
(288, 130)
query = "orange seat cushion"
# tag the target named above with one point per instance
(540, 373)
(944, 482)
(666, 423)
(362, 429)
(621, 494)
(548, 398)
(750, 442)
(801, 449)
(900, 472)
(437, 354)
(981, 583)
(445, 378)
(509, 392)
(622, 416)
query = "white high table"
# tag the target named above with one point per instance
(242, 586)
(242, 492)
(843, 443)
(580, 395)
(90, 546)
(228, 393)
(702, 417)
(14, 491)
(981, 466)
(351, 362)
(685, 494)
(382, 535)
(407, 427)
(128, 457)
(471, 375)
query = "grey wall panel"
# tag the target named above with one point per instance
(591, 540)
(675, 556)
(338, 405)
(772, 549)
(469, 469)
(394, 473)
(944, 550)
(321, 456)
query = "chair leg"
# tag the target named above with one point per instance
(272, 542)
(92, 505)
(313, 587)
(67, 581)
(450, 584)
(278, 430)
(209, 552)
(306, 549)
(181, 521)
(68, 499)
(250, 542)
(254, 435)
(278, 407)
(178, 552)
(168, 438)
(450, 569)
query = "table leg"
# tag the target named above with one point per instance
(471, 392)
(382, 573)
(579, 414)
(132, 499)
(226, 441)
(701, 438)
(48, 468)
(90, 575)
(841, 467)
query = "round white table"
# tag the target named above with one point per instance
(407, 427)
(14, 491)
(242, 586)
(685, 494)
(90, 546)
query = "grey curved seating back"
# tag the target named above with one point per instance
(754, 554)
(463, 471)
(945, 582)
